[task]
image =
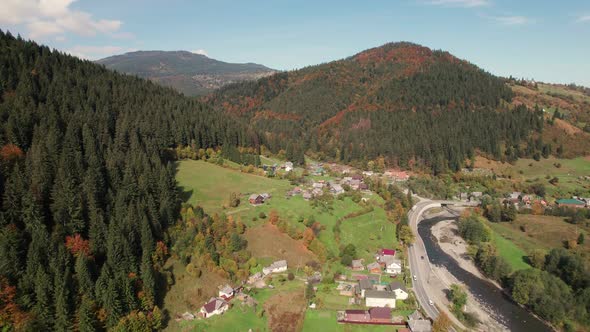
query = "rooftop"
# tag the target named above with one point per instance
(379, 294)
(569, 201)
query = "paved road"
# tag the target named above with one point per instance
(419, 262)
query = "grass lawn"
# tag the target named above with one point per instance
(209, 185)
(369, 232)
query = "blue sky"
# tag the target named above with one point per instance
(542, 39)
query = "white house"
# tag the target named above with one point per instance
(375, 298)
(276, 267)
(288, 166)
(215, 306)
(392, 265)
(226, 292)
(399, 289)
(387, 258)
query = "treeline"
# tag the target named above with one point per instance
(557, 288)
(87, 191)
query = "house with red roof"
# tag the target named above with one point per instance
(215, 306)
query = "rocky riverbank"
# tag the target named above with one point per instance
(446, 234)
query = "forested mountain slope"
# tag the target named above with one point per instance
(189, 73)
(86, 189)
(402, 101)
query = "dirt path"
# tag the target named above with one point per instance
(451, 243)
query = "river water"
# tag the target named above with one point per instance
(514, 317)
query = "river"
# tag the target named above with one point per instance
(511, 315)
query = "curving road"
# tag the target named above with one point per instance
(425, 278)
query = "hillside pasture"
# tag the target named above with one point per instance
(209, 185)
(541, 232)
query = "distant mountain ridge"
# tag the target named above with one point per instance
(190, 73)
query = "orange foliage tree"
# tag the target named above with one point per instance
(11, 152)
(10, 313)
(77, 245)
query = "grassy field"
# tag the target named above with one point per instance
(529, 170)
(513, 254)
(209, 185)
(541, 232)
(369, 231)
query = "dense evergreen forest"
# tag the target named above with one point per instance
(87, 189)
(401, 101)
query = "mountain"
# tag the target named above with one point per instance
(190, 73)
(404, 102)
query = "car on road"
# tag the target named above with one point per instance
(422, 257)
(430, 302)
(415, 278)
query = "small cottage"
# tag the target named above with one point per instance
(215, 306)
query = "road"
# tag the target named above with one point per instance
(426, 278)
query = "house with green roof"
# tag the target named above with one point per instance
(571, 203)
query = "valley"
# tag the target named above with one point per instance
(396, 188)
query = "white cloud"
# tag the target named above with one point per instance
(96, 52)
(53, 17)
(511, 20)
(460, 3)
(201, 52)
(583, 18)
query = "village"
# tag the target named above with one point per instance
(374, 291)
(371, 292)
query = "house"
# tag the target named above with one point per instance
(256, 199)
(255, 277)
(357, 177)
(226, 292)
(318, 185)
(392, 265)
(420, 325)
(363, 186)
(363, 286)
(570, 203)
(336, 189)
(475, 195)
(463, 196)
(386, 252)
(265, 196)
(397, 175)
(401, 293)
(357, 265)
(307, 195)
(515, 196)
(374, 298)
(374, 268)
(215, 306)
(288, 166)
(317, 192)
(276, 267)
(368, 173)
